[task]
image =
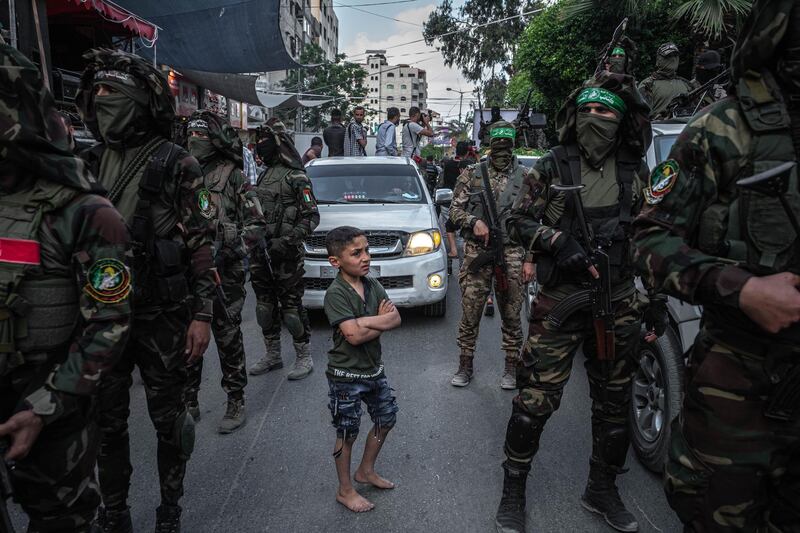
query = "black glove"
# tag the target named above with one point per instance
(570, 255)
(656, 318)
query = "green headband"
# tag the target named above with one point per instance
(502, 133)
(618, 51)
(597, 95)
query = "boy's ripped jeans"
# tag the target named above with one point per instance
(345, 404)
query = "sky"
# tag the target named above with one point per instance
(359, 31)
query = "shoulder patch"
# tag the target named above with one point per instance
(108, 281)
(662, 180)
(204, 203)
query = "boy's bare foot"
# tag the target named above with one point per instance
(373, 479)
(354, 501)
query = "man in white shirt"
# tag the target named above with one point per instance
(418, 124)
(386, 142)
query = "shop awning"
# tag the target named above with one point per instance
(239, 87)
(110, 11)
(216, 35)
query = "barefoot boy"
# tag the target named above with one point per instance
(359, 311)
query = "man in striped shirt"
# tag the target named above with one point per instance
(355, 137)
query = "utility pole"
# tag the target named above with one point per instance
(460, 100)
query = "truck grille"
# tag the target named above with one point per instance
(389, 282)
(383, 244)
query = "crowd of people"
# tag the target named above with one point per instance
(132, 252)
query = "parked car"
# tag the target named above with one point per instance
(658, 384)
(388, 199)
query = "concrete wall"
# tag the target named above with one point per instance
(302, 141)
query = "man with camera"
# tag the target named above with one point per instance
(418, 124)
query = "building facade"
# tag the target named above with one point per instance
(400, 86)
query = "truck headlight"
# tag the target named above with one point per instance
(424, 242)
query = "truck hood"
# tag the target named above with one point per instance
(382, 217)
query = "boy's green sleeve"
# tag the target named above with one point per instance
(337, 307)
(380, 291)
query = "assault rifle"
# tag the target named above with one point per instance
(681, 104)
(598, 296)
(524, 118)
(264, 249)
(615, 39)
(6, 490)
(221, 298)
(497, 254)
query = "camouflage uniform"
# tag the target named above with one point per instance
(158, 187)
(734, 456)
(291, 213)
(663, 85)
(65, 311)
(465, 211)
(239, 228)
(611, 196)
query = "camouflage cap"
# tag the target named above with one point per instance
(127, 72)
(33, 136)
(761, 34)
(635, 130)
(222, 135)
(667, 49)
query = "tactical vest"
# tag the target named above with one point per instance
(278, 200)
(160, 262)
(38, 311)
(744, 225)
(504, 202)
(216, 181)
(610, 225)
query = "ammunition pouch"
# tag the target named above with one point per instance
(227, 233)
(547, 271)
(169, 271)
(784, 398)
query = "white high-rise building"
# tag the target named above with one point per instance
(400, 86)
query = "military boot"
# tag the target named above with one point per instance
(609, 449)
(234, 416)
(112, 522)
(509, 379)
(272, 358)
(168, 519)
(510, 517)
(303, 364)
(464, 373)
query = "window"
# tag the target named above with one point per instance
(402, 109)
(404, 86)
(402, 98)
(410, 74)
(390, 86)
(401, 74)
(390, 75)
(390, 98)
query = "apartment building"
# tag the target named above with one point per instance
(401, 86)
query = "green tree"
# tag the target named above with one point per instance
(713, 18)
(460, 131)
(478, 49)
(557, 53)
(494, 92)
(339, 78)
(429, 149)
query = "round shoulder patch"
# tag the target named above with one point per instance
(108, 281)
(662, 180)
(204, 203)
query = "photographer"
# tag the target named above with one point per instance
(417, 124)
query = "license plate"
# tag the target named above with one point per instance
(328, 272)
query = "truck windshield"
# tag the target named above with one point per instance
(366, 183)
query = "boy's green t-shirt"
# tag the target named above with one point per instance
(342, 302)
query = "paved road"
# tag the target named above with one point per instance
(277, 474)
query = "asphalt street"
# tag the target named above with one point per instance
(277, 474)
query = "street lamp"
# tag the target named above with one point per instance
(460, 99)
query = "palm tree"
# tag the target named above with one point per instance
(459, 130)
(709, 16)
